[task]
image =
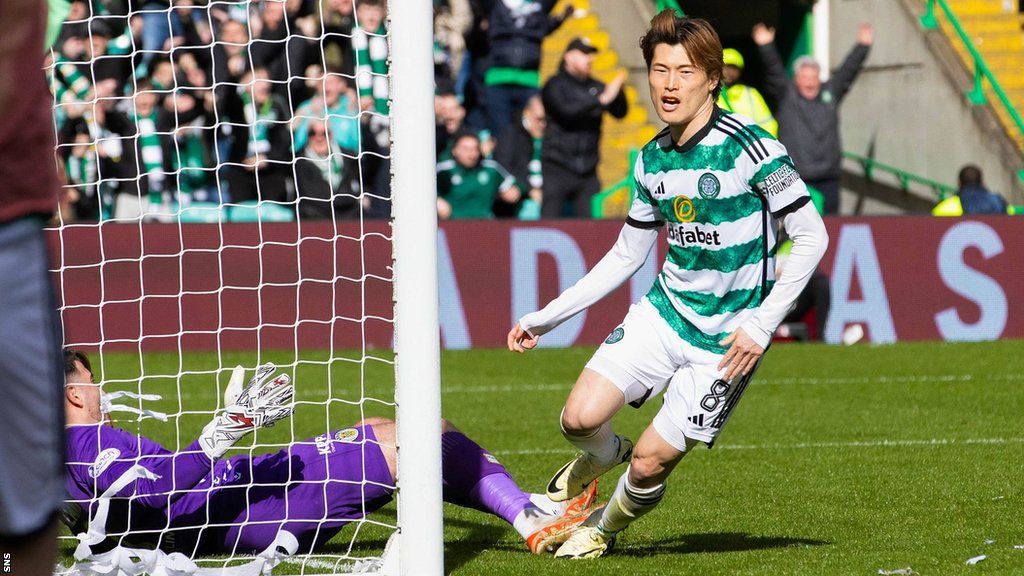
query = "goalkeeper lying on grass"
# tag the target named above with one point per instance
(197, 503)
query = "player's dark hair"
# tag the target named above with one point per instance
(695, 35)
(374, 3)
(970, 175)
(71, 359)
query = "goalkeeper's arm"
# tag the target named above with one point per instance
(618, 265)
(263, 402)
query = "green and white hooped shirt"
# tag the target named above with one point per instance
(719, 195)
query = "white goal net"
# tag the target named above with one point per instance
(233, 197)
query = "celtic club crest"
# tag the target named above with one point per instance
(708, 186)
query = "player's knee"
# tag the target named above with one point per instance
(574, 423)
(645, 471)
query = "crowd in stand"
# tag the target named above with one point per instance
(161, 105)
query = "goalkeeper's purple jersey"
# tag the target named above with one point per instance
(231, 505)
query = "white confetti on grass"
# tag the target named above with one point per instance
(987, 542)
(897, 572)
(1018, 547)
(975, 560)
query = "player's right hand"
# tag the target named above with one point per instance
(263, 402)
(520, 340)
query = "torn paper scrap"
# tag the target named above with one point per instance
(975, 560)
(908, 571)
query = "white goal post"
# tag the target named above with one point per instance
(417, 338)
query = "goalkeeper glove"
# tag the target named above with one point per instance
(263, 402)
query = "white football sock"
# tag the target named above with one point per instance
(628, 503)
(601, 444)
(530, 520)
(548, 505)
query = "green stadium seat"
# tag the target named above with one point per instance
(202, 213)
(252, 211)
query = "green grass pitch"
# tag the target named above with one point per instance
(836, 461)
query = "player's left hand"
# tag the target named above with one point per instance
(742, 355)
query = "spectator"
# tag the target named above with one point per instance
(808, 109)
(519, 151)
(469, 84)
(448, 115)
(82, 168)
(575, 103)
(185, 118)
(336, 103)
(468, 186)
(740, 98)
(337, 19)
(516, 29)
(152, 145)
(370, 44)
(324, 181)
(972, 197)
(452, 20)
(262, 145)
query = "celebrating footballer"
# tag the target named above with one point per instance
(721, 185)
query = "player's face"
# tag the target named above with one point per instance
(88, 393)
(679, 89)
(808, 81)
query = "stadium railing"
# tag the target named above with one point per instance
(905, 179)
(614, 201)
(982, 72)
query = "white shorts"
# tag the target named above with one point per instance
(644, 356)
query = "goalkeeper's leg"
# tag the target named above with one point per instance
(474, 478)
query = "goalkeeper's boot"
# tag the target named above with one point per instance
(582, 502)
(572, 478)
(550, 536)
(587, 541)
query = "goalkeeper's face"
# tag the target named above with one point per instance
(680, 89)
(82, 397)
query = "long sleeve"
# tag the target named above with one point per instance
(618, 265)
(619, 107)
(567, 105)
(847, 73)
(178, 473)
(116, 451)
(810, 240)
(776, 80)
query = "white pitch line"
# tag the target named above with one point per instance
(804, 445)
(567, 385)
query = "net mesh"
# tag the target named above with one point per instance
(227, 203)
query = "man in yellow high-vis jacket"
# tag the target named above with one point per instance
(740, 98)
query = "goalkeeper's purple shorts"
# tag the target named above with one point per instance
(331, 480)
